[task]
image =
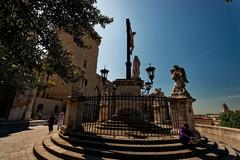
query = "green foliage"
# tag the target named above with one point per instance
(230, 119)
(29, 43)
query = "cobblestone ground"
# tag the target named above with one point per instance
(19, 145)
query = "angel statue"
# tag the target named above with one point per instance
(179, 77)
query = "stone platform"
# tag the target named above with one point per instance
(91, 147)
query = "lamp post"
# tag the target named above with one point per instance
(148, 85)
(104, 74)
(150, 71)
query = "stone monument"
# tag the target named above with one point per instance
(184, 99)
(132, 85)
(136, 68)
(180, 78)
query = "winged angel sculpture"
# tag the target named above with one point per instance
(179, 77)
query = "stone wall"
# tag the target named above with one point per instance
(86, 61)
(20, 105)
(218, 132)
(204, 120)
(91, 85)
(48, 108)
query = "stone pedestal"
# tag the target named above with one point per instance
(79, 118)
(73, 118)
(183, 107)
(190, 114)
(128, 87)
(156, 111)
(104, 112)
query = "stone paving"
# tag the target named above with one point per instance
(19, 145)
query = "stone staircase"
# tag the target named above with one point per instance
(124, 124)
(118, 128)
(78, 146)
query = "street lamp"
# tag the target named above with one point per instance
(148, 85)
(104, 74)
(150, 71)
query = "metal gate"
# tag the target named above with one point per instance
(138, 116)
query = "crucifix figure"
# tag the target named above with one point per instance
(130, 47)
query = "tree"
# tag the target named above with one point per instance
(230, 119)
(29, 43)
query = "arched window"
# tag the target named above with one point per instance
(56, 108)
(64, 109)
(40, 108)
(97, 91)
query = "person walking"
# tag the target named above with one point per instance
(60, 120)
(50, 124)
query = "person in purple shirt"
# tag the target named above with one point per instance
(186, 136)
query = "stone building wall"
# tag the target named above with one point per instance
(86, 61)
(91, 85)
(45, 107)
(20, 105)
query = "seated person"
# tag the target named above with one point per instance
(186, 136)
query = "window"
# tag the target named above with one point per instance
(85, 63)
(56, 109)
(40, 108)
(86, 82)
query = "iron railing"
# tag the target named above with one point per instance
(138, 116)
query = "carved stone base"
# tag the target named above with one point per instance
(185, 111)
(129, 87)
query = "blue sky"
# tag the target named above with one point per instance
(202, 36)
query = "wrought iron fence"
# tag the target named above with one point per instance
(137, 116)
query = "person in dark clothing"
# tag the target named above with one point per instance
(50, 123)
(186, 136)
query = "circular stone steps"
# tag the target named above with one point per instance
(57, 146)
(47, 150)
(79, 146)
(126, 140)
(138, 147)
(41, 153)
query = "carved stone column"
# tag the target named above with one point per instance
(184, 110)
(156, 111)
(71, 115)
(80, 109)
(104, 109)
(190, 114)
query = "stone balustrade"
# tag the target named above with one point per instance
(219, 132)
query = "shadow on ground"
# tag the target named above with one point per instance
(9, 128)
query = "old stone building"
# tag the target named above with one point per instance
(53, 99)
(37, 104)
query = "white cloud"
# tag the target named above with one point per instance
(233, 96)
